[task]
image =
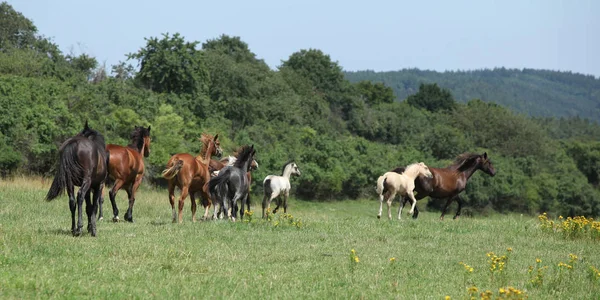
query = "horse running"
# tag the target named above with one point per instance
(82, 163)
(448, 183)
(126, 169)
(215, 167)
(391, 183)
(191, 174)
(232, 183)
(279, 185)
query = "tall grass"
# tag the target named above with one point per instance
(153, 258)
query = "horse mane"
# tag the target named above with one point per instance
(285, 165)
(93, 135)
(463, 161)
(243, 155)
(205, 138)
(137, 138)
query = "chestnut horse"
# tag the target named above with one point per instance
(126, 169)
(83, 163)
(448, 183)
(191, 174)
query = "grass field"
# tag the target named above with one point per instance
(153, 258)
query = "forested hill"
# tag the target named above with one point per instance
(533, 92)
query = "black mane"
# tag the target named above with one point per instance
(285, 165)
(464, 161)
(243, 156)
(137, 138)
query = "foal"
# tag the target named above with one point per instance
(278, 185)
(391, 183)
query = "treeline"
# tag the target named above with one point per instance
(541, 93)
(343, 135)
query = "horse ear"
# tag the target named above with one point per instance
(86, 125)
(484, 155)
(216, 137)
(148, 128)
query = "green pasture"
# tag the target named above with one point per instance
(309, 259)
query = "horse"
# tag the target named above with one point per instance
(216, 166)
(448, 183)
(126, 169)
(82, 162)
(403, 183)
(274, 186)
(232, 183)
(191, 174)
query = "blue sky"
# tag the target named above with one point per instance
(360, 35)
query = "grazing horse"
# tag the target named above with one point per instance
(232, 183)
(216, 166)
(448, 183)
(126, 169)
(83, 163)
(191, 174)
(403, 183)
(274, 186)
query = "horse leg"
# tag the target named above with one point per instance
(277, 201)
(193, 198)
(286, 195)
(380, 206)
(81, 194)
(265, 204)
(88, 209)
(206, 202)
(446, 207)
(113, 195)
(133, 189)
(100, 203)
(460, 204)
(390, 200)
(411, 195)
(171, 189)
(184, 194)
(400, 208)
(72, 205)
(95, 203)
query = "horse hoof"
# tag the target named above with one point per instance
(101, 219)
(129, 219)
(116, 219)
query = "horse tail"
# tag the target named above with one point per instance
(267, 187)
(217, 184)
(67, 165)
(173, 170)
(381, 185)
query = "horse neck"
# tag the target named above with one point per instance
(412, 172)
(287, 172)
(468, 172)
(206, 159)
(246, 165)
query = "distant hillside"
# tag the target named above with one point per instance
(528, 91)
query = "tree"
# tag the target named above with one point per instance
(171, 65)
(233, 47)
(375, 93)
(325, 75)
(15, 30)
(432, 98)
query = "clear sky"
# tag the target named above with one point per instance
(359, 35)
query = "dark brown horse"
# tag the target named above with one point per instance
(448, 183)
(126, 169)
(83, 162)
(191, 175)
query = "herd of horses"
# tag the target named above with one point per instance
(86, 161)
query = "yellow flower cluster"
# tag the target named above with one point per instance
(354, 257)
(497, 263)
(468, 268)
(594, 273)
(511, 293)
(571, 227)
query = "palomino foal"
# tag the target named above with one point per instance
(392, 183)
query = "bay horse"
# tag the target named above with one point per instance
(448, 183)
(403, 183)
(232, 184)
(274, 186)
(191, 174)
(126, 168)
(82, 162)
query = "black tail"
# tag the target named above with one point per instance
(67, 167)
(217, 186)
(267, 187)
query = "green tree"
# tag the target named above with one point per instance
(171, 65)
(432, 98)
(15, 29)
(375, 93)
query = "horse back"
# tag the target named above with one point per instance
(444, 183)
(124, 163)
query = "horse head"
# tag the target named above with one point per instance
(147, 141)
(217, 146)
(424, 170)
(253, 165)
(485, 165)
